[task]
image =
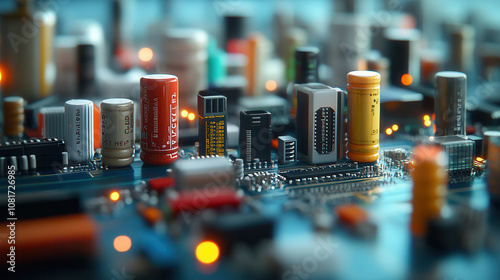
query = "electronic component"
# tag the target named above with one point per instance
(318, 111)
(334, 171)
(86, 71)
(117, 128)
(478, 142)
(460, 152)
(231, 228)
(430, 182)
(79, 119)
(271, 103)
(402, 47)
(161, 184)
(363, 102)
(449, 103)
(255, 136)
(185, 56)
(47, 152)
(159, 119)
(212, 125)
(13, 113)
(192, 201)
(306, 65)
(287, 149)
(57, 238)
(53, 122)
(494, 166)
(203, 173)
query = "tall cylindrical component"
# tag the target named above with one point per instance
(159, 119)
(26, 52)
(185, 55)
(430, 182)
(449, 103)
(494, 167)
(13, 114)
(79, 118)
(402, 47)
(363, 104)
(117, 130)
(306, 65)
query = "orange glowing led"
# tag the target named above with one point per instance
(207, 252)
(427, 118)
(0, 75)
(145, 54)
(406, 79)
(395, 127)
(184, 113)
(114, 196)
(271, 85)
(191, 116)
(480, 159)
(122, 243)
(388, 131)
(427, 123)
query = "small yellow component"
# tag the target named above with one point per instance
(395, 127)
(191, 116)
(388, 131)
(184, 113)
(13, 113)
(364, 115)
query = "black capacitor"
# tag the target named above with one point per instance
(86, 71)
(402, 48)
(306, 65)
(255, 136)
(212, 123)
(449, 103)
(235, 27)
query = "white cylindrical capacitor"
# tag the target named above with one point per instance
(79, 119)
(117, 132)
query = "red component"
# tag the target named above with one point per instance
(470, 129)
(351, 214)
(199, 199)
(159, 120)
(160, 184)
(97, 127)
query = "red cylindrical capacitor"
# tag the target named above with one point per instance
(159, 123)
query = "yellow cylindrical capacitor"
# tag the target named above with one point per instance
(13, 116)
(430, 181)
(363, 96)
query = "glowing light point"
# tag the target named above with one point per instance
(191, 116)
(122, 243)
(114, 196)
(388, 131)
(207, 252)
(395, 127)
(145, 54)
(184, 113)
(406, 79)
(271, 85)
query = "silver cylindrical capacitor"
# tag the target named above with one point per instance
(449, 103)
(117, 132)
(79, 119)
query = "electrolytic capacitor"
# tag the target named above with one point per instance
(117, 130)
(449, 103)
(402, 47)
(79, 118)
(13, 116)
(159, 119)
(363, 104)
(430, 181)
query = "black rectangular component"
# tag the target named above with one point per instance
(47, 151)
(212, 120)
(255, 136)
(319, 171)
